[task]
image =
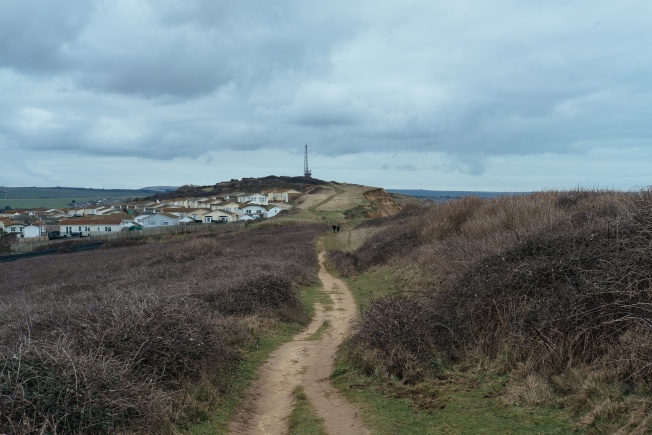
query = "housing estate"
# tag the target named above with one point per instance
(93, 219)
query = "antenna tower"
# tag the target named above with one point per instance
(306, 172)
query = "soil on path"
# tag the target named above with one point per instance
(308, 363)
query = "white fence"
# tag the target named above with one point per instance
(24, 247)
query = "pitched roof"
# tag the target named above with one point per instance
(105, 220)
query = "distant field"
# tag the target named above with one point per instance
(41, 203)
(52, 197)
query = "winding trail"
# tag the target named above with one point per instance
(307, 363)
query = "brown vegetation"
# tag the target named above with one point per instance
(540, 286)
(111, 340)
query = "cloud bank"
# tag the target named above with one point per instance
(450, 88)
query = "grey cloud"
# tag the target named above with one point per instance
(194, 48)
(160, 79)
(35, 35)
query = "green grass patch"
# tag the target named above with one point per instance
(313, 295)
(459, 403)
(304, 420)
(336, 241)
(370, 285)
(320, 331)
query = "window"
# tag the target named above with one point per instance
(108, 229)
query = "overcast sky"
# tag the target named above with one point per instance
(503, 95)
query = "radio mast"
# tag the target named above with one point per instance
(306, 171)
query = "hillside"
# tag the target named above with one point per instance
(329, 201)
(536, 301)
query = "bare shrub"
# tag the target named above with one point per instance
(110, 340)
(396, 336)
(346, 263)
(49, 388)
(579, 295)
(539, 285)
(264, 293)
(167, 340)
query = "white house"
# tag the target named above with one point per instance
(282, 195)
(157, 220)
(92, 210)
(15, 227)
(233, 207)
(220, 216)
(253, 198)
(91, 226)
(37, 229)
(252, 210)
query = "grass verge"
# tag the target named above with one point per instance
(459, 403)
(320, 331)
(370, 285)
(303, 420)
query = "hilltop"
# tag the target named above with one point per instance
(326, 200)
(271, 182)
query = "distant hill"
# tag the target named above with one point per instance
(32, 197)
(160, 188)
(446, 195)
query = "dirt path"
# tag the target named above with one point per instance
(309, 363)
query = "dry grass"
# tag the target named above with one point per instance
(534, 285)
(113, 340)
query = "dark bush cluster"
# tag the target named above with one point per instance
(397, 336)
(51, 388)
(376, 251)
(579, 295)
(259, 294)
(107, 341)
(552, 280)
